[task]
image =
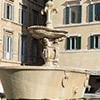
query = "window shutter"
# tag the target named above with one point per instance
(78, 43)
(19, 48)
(90, 12)
(91, 42)
(79, 13)
(68, 43)
(5, 10)
(4, 46)
(12, 13)
(67, 15)
(11, 47)
(24, 17)
(20, 16)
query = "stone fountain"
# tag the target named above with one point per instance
(49, 81)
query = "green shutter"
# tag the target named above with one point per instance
(78, 43)
(67, 15)
(90, 12)
(91, 42)
(68, 43)
(79, 13)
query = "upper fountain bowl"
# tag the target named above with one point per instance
(44, 32)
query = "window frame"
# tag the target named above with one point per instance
(10, 15)
(69, 14)
(22, 18)
(95, 41)
(92, 12)
(8, 41)
(74, 44)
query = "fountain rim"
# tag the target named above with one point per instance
(48, 29)
(43, 68)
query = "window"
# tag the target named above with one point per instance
(95, 42)
(73, 14)
(94, 12)
(8, 11)
(8, 47)
(23, 16)
(35, 17)
(73, 43)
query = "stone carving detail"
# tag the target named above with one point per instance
(49, 10)
(50, 51)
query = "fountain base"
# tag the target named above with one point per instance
(42, 83)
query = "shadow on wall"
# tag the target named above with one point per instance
(30, 48)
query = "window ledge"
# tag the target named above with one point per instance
(78, 24)
(13, 22)
(79, 51)
(11, 61)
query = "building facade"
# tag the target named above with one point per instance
(16, 43)
(81, 48)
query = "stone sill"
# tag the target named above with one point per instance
(13, 22)
(10, 61)
(78, 24)
(80, 51)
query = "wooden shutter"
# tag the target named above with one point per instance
(4, 46)
(68, 43)
(78, 43)
(91, 42)
(12, 13)
(5, 10)
(79, 13)
(11, 47)
(19, 48)
(67, 15)
(90, 12)
(20, 16)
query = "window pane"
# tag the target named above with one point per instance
(8, 11)
(73, 43)
(75, 14)
(96, 41)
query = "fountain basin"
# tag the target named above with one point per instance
(42, 83)
(44, 32)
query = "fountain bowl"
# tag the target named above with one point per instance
(44, 32)
(42, 82)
